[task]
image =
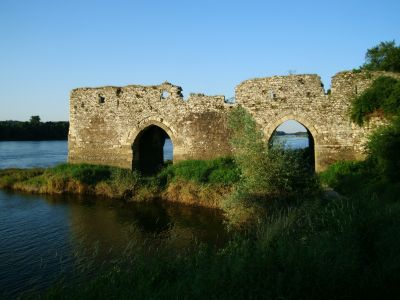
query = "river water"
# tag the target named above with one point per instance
(291, 141)
(44, 238)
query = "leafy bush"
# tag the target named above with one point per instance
(343, 176)
(384, 147)
(384, 94)
(267, 174)
(267, 171)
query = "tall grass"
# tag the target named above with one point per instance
(194, 182)
(218, 171)
(72, 178)
(347, 248)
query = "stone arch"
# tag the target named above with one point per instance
(270, 128)
(160, 122)
(147, 141)
(311, 130)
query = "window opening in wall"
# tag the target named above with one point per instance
(293, 136)
(272, 95)
(102, 99)
(164, 95)
(231, 100)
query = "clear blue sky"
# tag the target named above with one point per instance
(50, 47)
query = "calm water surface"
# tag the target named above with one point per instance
(44, 238)
(292, 141)
(29, 154)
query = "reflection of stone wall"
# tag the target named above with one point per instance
(104, 122)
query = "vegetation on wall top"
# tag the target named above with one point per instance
(382, 97)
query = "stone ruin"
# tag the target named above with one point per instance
(127, 126)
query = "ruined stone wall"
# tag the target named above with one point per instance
(277, 99)
(104, 123)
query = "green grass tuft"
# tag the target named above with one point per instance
(218, 171)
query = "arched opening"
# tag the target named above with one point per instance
(294, 136)
(152, 148)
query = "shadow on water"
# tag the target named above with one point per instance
(47, 237)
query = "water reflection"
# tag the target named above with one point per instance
(42, 237)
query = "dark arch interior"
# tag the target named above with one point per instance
(295, 136)
(149, 153)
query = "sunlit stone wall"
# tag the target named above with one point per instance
(105, 121)
(326, 115)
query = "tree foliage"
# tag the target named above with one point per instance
(384, 95)
(33, 130)
(383, 57)
(34, 120)
(383, 150)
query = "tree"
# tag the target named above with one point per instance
(35, 120)
(383, 57)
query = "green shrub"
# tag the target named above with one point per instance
(382, 95)
(267, 174)
(267, 171)
(343, 176)
(384, 150)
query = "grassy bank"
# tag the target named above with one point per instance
(203, 183)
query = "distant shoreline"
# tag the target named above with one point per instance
(33, 130)
(299, 133)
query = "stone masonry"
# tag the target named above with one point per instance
(106, 123)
